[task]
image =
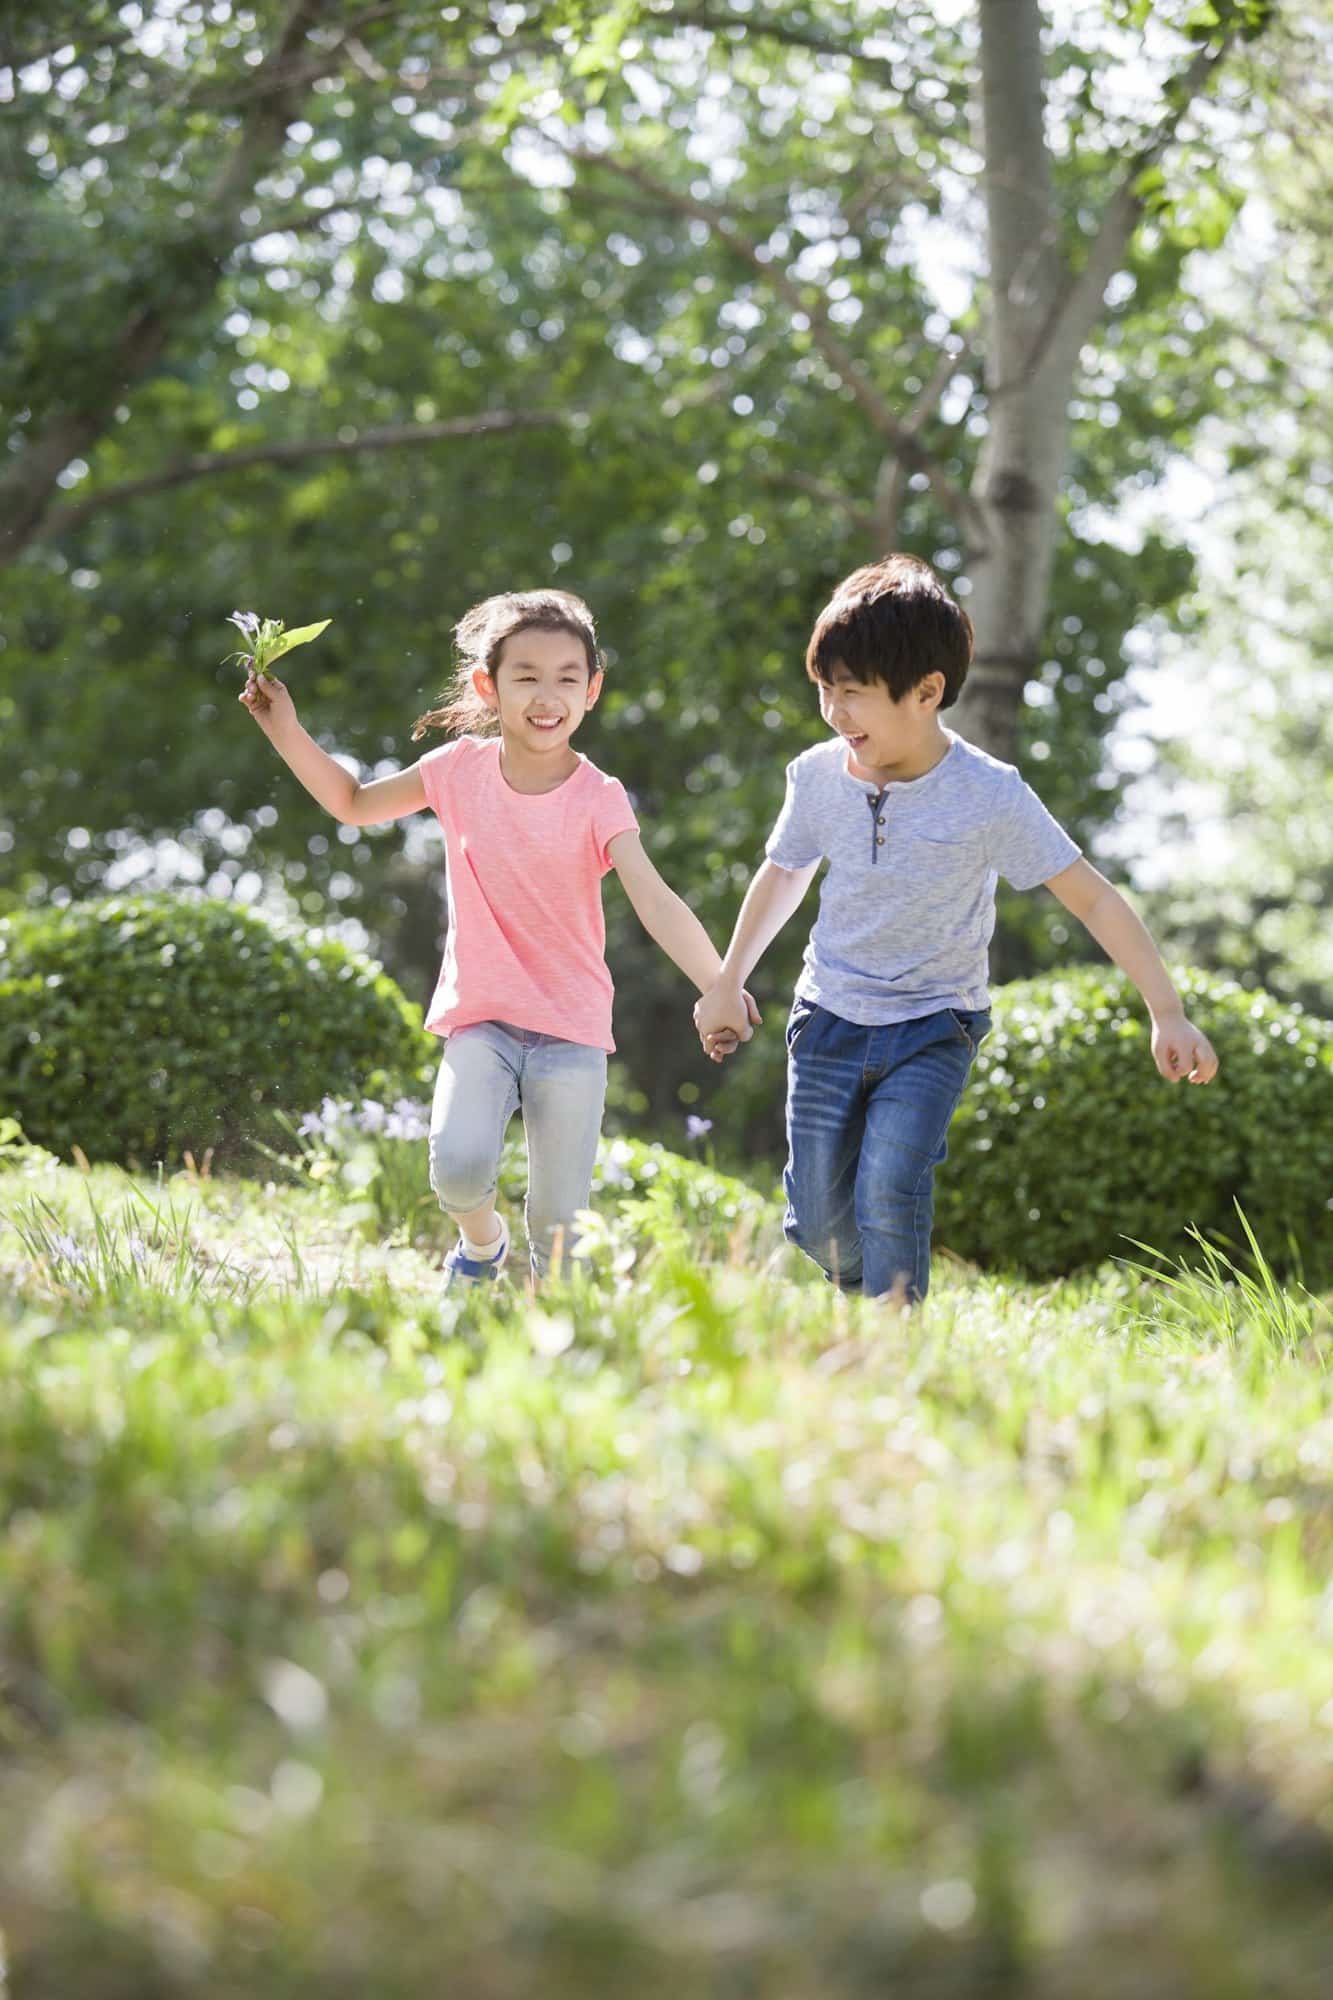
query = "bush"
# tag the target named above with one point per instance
(373, 1161)
(1067, 1143)
(143, 1027)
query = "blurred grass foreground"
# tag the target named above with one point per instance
(688, 1633)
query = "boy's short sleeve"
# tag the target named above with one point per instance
(1026, 844)
(612, 814)
(793, 842)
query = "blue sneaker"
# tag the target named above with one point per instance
(460, 1269)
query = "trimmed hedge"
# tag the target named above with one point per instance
(141, 1027)
(1068, 1144)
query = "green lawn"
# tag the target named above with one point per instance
(688, 1634)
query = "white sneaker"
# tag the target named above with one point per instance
(460, 1269)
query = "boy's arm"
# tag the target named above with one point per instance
(323, 776)
(1178, 1048)
(668, 920)
(772, 898)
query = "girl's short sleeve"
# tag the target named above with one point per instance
(612, 814)
(435, 775)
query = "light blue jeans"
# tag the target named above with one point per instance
(487, 1072)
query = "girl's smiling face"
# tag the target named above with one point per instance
(541, 688)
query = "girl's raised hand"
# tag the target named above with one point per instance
(268, 701)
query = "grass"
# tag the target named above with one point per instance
(691, 1632)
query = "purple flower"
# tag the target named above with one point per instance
(311, 1126)
(373, 1116)
(407, 1120)
(697, 1128)
(246, 622)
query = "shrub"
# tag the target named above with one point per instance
(373, 1161)
(1068, 1143)
(142, 1027)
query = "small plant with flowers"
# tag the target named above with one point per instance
(372, 1159)
(656, 1192)
(267, 639)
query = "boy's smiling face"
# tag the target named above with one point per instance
(887, 740)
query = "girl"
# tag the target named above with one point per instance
(530, 827)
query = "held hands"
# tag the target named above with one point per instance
(1181, 1052)
(725, 1016)
(269, 702)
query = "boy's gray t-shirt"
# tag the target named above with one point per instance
(907, 906)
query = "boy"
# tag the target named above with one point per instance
(892, 1006)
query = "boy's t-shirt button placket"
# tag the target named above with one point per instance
(875, 800)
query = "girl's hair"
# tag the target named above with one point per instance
(479, 639)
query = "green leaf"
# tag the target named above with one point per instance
(600, 53)
(301, 636)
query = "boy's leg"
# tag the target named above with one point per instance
(476, 1093)
(916, 1080)
(563, 1091)
(825, 1128)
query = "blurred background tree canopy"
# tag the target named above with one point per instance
(365, 311)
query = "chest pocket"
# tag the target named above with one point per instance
(938, 868)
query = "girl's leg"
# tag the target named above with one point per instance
(476, 1093)
(563, 1092)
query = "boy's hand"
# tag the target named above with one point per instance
(1180, 1051)
(269, 702)
(725, 1016)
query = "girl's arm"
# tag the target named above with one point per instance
(323, 776)
(771, 899)
(667, 920)
(1178, 1048)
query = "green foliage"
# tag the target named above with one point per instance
(267, 641)
(689, 1633)
(1069, 1148)
(145, 1027)
(371, 1163)
(699, 473)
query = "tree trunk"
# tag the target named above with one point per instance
(1040, 311)
(1009, 563)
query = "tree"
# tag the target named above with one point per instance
(649, 297)
(1241, 865)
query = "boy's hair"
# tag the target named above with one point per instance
(895, 622)
(479, 640)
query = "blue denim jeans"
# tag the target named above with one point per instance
(867, 1113)
(487, 1072)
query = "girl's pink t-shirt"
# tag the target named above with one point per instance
(527, 938)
